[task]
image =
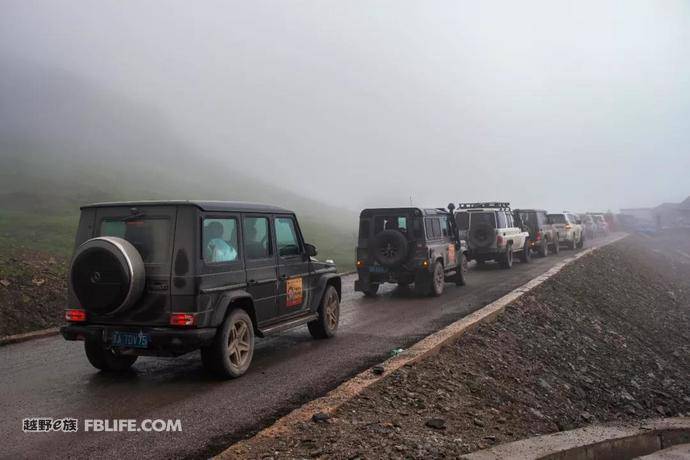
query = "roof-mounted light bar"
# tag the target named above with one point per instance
(503, 205)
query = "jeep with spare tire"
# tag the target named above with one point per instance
(492, 233)
(409, 245)
(164, 278)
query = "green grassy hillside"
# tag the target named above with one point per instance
(39, 202)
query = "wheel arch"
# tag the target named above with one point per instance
(234, 300)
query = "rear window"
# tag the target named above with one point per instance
(382, 223)
(150, 236)
(477, 218)
(557, 218)
(462, 220)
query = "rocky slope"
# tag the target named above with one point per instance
(607, 339)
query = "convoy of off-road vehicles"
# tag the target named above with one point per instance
(164, 278)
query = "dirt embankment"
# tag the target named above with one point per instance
(607, 339)
(32, 291)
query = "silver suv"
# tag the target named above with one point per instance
(569, 227)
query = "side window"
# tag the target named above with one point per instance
(509, 218)
(429, 228)
(445, 229)
(286, 236)
(257, 239)
(501, 217)
(436, 225)
(219, 240)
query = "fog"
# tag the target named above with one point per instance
(580, 105)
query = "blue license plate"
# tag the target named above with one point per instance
(377, 269)
(130, 339)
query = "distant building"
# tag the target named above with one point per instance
(643, 215)
(672, 214)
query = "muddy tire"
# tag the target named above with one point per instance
(370, 290)
(525, 254)
(438, 279)
(329, 315)
(544, 248)
(105, 360)
(506, 260)
(462, 270)
(231, 352)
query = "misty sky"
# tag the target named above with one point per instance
(579, 105)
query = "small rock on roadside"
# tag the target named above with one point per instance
(378, 370)
(436, 423)
(320, 417)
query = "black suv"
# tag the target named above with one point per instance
(543, 235)
(409, 245)
(166, 278)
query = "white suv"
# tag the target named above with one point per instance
(569, 228)
(492, 233)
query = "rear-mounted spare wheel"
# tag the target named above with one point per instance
(107, 275)
(390, 248)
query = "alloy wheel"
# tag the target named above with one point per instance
(239, 343)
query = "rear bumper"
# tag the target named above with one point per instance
(164, 341)
(365, 277)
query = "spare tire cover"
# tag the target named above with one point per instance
(482, 235)
(107, 275)
(390, 248)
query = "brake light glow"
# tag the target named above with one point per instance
(360, 263)
(182, 319)
(568, 226)
(425, 263)
(75, 316)
(537, 236)
(499, 240)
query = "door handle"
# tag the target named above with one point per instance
(251, 282)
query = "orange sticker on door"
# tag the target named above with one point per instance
(294, 292)
(451, 254)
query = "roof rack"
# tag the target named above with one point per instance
(502, 205)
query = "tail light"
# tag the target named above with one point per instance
(568, 226)
(499, 240)
(182, 319)
(75, 316)
(538, 236)
(360, 263)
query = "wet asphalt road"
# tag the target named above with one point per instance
(51, 377)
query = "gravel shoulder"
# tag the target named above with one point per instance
(605, 340)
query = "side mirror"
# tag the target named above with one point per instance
(311, 250)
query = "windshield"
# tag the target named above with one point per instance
(557, 218)
(150, 236)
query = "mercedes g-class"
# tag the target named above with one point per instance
(543, 235)
(167, 278)
(409, 245)
(492, 233)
